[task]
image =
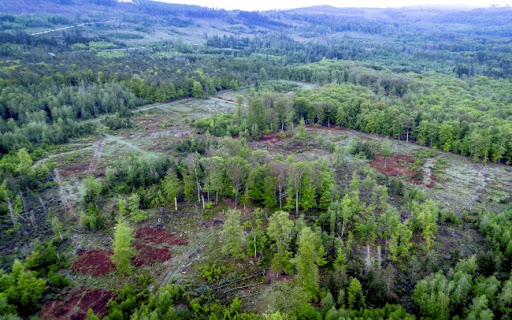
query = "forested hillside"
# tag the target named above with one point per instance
(164, 161)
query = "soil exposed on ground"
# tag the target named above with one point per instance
(159, 236)
(75, 305)
(94, 262)
(395, 165)
(148, 255)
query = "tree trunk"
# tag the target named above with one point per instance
(175, 204)
(297, 202)
(202, 197)
(14, 217)
(280, 198)
(42, 205)
(254, 244)
(368, 257)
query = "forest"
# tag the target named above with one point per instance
(166, 161)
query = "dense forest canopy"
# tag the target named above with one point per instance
(166, 161)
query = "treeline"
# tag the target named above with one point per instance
(428, 110)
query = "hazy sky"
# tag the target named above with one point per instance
(286, 4)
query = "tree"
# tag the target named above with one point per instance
(308, 259)
(93, 189)
(280, 230)
(256, 116)
(213, 168)
(296, 172)
(57, 227)
(197, 90)
(307, 199)
(22, 288)
(171, 187)
(425, 218)
(237, 170)
(280, 169)
(433, 297)
(91, 316)
(479, 309)
(123, 251)
(355, 296)
(233, 235)
(386, 151)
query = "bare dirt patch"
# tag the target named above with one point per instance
(149, 255)
(76, 304)
(74, 170)
(159, 236)
(94, 262)
(396, 165)
(270, 137)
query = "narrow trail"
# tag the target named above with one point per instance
(222, 100)
(164, 105)
(428, 170)
(38, 162)
(69, 27)
(96, 157)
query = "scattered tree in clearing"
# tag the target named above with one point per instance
(123, 251)
(233, 235)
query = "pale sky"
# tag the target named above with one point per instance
(255, 5)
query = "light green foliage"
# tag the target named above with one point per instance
(400, 243)
(93, 218)
(134, 211)
(386, 150)
(292, 300)
(355, 295)
(505, 298)
(24, 162)
(273, 316)
(433, 297)
(479, 309)
(91, 316)
(123, 251)
(280, 231)
(487, 287)
(308, 259)
(93, 189)
(307, 200)
(425, 218)
(197, 90)
(301, 130)
(233, 235)
(237, 170)
(57, 228)
(22, 289)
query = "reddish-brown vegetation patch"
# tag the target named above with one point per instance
(149, 255)
(270, 137)
(433, 179)
(94, 262)
(74, 170)
(159, 236)
(396, 165)
(77, 303)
